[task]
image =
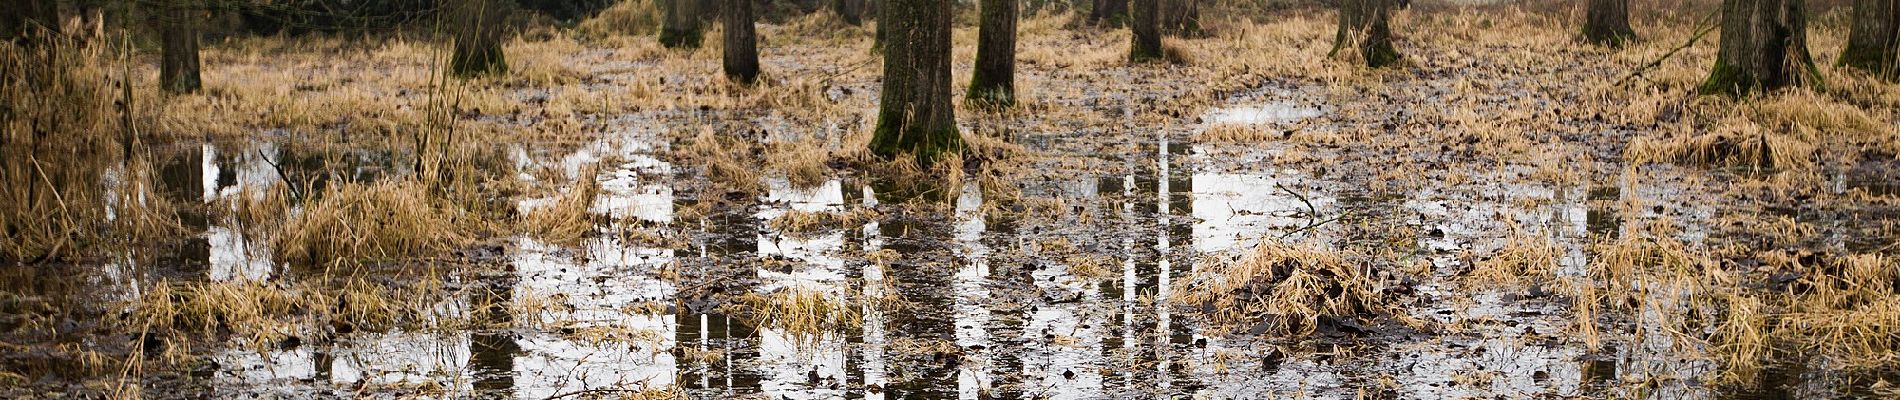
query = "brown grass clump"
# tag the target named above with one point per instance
(803, 163)
(626, 17)
(264, 314)
(1287, 288)
(801, 312)
(565, 220)
(355, 222)
(70, 177)
(728, 162)
(1522, 261)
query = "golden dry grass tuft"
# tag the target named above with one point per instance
(624, 18)
(1284, 287)
(366, 222)
(804, 313)
(1523, 260)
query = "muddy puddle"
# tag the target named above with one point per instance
(952, 300)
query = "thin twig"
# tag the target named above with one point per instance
(1708, 25)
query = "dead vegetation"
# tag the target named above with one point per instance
(1286, 289)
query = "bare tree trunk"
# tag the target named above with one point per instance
(1607, 23)
(1147, 33)
(994, 81)
(741, 46)
(679, 24)
(478, 38)
(1874, 44)
(914, 112)
(178, 69)
(27, 21)
(1365, 27)
(1109, 12)
(1181, 17)
(1764, 47)
(851, 11)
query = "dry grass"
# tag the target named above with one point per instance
(356, 222)
(804, 313)
(1285, 287)
(566, 219)
(262, 314)
(70, 176)
(625, 17)
(1523, 260)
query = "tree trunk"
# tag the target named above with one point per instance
(741, 46)
(994, 81)
(1109, 12)
(25, 21)
(478, 38)
(1764, 47)
(914, 112)
(1607, 23)
(178, 69)
(1874, 44)
(1147, 33)
(1365, 27)
(1181, 17)
(679, 24)
(851, 11)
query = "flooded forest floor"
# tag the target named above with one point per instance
(1509, 214)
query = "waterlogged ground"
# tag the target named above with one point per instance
(1054, 278)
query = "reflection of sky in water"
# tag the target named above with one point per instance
(1279, 111)
(549, 364)
(233, 256)
(802, 366)
(972, 311)
(396, 358)
(873, 335)
(1233, 210)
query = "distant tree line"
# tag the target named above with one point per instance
(1762, 43)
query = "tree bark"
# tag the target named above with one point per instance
(679, 24)
(851, 11)
(741, 46)
(178, 30)
(26, 21)
(1109, 12)
(994, 81)
(478, 38)
(914, 112)
(1181, 17)
(1145, 26)
(1607, 23)
(1365, 27)
(1764, 47)
(1874, 43)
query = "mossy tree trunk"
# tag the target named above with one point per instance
(679, 24)
(478, 35)
(1874, 43)
(914, 112)
(1764, 47)
(994, 82)
(741, 41)
(1607, 23)
(1365, 28)
(1146, 29)
(178, 32)
(1108, 12)
(851, 11)
(1181, 17)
